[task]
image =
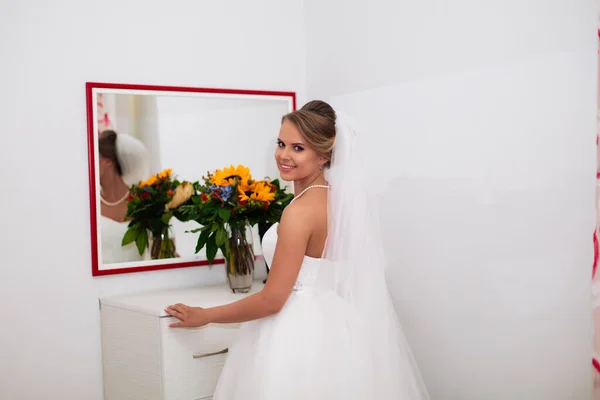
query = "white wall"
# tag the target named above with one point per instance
(482, 119)
(217, 138)
(476, 306)
(50, 336)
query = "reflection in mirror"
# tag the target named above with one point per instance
(135, 133)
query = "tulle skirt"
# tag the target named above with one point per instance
(314, 348)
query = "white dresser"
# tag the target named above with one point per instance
(144, 359)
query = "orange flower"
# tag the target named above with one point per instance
(165, 174)
(262, 192)
(242, 196)
(226, 176)
(149, 182)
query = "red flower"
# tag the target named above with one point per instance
(145, 195)
(130, 197)
(243, 202)
(169, 192)
(204, 197)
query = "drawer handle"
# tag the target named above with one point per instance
(198, 355)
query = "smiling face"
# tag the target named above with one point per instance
(295, 158)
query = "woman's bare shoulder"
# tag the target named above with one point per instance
(308, 210)
(297, 212)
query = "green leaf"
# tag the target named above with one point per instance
(196, 200)
(221, 236)
(211, 248)
(202, 229)
(167, 217)
(202, 240)
(225, 250)
(214, 227)
(211, 208)
(142, 241)
(130, 236)
(225, 213)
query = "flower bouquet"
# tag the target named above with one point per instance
(227, 204)
(150, 207)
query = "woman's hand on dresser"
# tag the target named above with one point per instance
(189, 317)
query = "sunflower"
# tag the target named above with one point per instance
(165, 174)
(246, 186)
(242, 196)
(262, 192)
(227, 175)
(149, 182)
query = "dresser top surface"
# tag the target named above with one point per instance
(155, 302)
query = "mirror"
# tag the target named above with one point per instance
(188, 130)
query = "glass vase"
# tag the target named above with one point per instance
(162, 245)
(240, 263)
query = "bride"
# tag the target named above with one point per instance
(324, 326)
(123, 161)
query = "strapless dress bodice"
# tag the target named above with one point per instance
(308, 271)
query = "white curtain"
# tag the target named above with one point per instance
(106, 111)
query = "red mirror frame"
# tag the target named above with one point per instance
(89, 88)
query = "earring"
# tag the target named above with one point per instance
(321, 168)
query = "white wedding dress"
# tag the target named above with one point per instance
(111, 236)
(307, 352)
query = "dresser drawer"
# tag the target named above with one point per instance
(144, 359)
(193, 358)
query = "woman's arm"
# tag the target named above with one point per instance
(293, 235)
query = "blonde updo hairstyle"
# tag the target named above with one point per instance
(316, 123)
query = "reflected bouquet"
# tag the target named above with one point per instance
(151, 205)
